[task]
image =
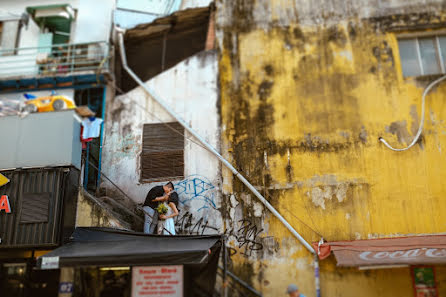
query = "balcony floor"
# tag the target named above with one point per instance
(74, 80)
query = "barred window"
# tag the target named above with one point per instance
(162, 155)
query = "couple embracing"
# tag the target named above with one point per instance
(160, 207)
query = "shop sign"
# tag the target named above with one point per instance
(424, 282)
(3, 180)
(65, 287)
(421, 253)
(4, 204)
(50, 263)
(4, 200)
(157, 281)
(413, 256)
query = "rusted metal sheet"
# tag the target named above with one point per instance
(155, 47)
(36, 202)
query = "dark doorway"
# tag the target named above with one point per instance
(93, 98)
(22, 280)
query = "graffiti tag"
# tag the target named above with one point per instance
(197, 189)
(247, 237)
(185, 225)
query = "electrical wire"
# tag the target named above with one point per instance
(117, 187)
(199, 144)
(161, 121)
(420, 128)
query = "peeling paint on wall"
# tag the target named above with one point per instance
(307, 88)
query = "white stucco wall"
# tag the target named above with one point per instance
(185, 4)
(189, 88)
(93, 22)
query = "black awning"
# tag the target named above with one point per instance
(92, 246)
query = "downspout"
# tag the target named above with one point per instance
(101, 140)
(214, 152)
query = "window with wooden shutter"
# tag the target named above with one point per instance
(162, 154)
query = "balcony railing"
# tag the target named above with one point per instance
(59, 59)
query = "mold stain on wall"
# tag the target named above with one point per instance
(303, 104)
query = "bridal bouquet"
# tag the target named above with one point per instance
(162, 209)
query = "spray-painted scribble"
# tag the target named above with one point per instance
(247, 237)
(185, 224)
(196, 188)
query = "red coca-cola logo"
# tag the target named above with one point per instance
(407, 255)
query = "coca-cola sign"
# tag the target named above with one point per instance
(408, 250)
(406, 255)
(412, 256)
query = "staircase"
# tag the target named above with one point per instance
(126, 216)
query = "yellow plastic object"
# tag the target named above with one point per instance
(49, 103)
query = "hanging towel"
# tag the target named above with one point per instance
(92, 129)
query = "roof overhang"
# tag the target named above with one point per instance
(63, 10)
(386, 252)
(176, 23)
(9, 17)
(92, 246)
(57, 17)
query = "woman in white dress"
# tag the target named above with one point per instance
(167, 219)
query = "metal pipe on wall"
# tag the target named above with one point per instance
(211, 149)
(101, 140)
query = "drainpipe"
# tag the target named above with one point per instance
(101, 140)
(213, 151)
(317, 281)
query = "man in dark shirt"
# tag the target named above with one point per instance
(154, 197)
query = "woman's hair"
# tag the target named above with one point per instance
(170, 185)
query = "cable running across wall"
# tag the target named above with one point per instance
(420, 128)
(199, 144)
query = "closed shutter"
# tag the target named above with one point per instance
(162, 154)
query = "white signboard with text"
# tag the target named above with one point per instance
(157, 281)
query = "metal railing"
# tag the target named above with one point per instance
(58, 59)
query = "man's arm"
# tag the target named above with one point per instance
(165, 197)
(162, 198)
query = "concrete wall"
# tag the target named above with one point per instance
(90, 14)
(90, 213)
(185, 4)
(97, 14)
(306, 89)
(189, 88)
(40, 139)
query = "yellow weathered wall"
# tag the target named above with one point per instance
(91, 214)
(302, 109)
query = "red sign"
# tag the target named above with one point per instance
(4, 204)
(157, 281)
(414, 256)
(424, 281)
(409, 250)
